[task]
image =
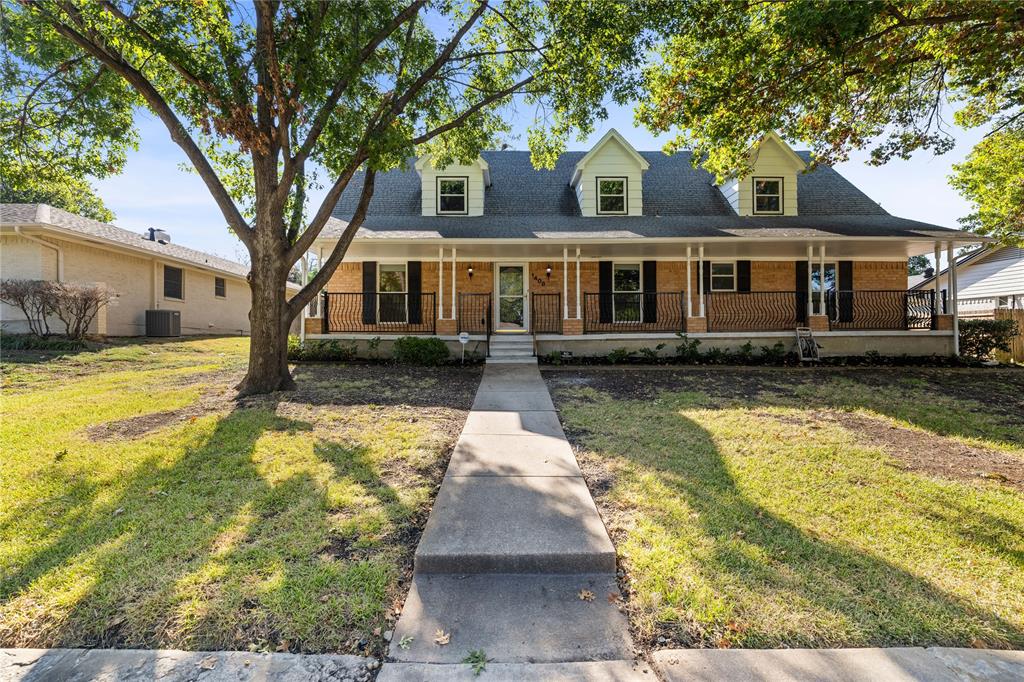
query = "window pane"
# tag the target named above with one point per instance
(172, 282)
(627, 307)
(767, 205)
(612, 204)
(721, 269)
(617, 187)
(218, 286)
(392, 278)
(766, 187)
(626, 278)
(721, 283)
(453, 186)
(453, 204)
(510, 281)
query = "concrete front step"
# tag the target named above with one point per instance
(512, 361)
(513, 619)
(514, 524)
(582, 671)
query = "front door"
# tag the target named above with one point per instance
(511, 297)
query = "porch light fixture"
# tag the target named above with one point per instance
(548, 271)
(469, 271)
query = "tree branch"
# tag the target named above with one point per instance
(328, 267)
(460, 119)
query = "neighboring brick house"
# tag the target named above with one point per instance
(618, 248)
(145, 271)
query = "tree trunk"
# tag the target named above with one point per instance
(269, 322)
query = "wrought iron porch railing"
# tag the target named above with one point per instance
(546, 313)
(610, 313)
(735, 311)
(882, 309)
(475, 316)
(383, 313)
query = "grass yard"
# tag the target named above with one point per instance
(782, 508)
(143, 507)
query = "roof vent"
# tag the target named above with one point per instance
(929, 272)
(160, 236)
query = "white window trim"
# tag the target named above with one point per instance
(465, 193)
(405, 291)
(711, 276)
(625, 195)
(164, 283)
(215, 294)
(639, 292)
(754, 195)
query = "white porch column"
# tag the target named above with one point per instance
(951, 296)
(454, 315)
(700, 277)
(579, 306)
(810, 294)
(440, 282)
(565, 282)
(689, 279)
(821, 279)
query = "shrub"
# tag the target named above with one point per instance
(716, 356)
(34, 298)
(745, 354)
(320, 350)
(774, 355)
(688, 350)
(980, 338)
(33, 342)
(77, 306)
(620, 355)
(651, 354)
(554, 358)
(414, 350)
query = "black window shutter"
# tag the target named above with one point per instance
(650, 287)
(801, 291)
(369, 292)
(743, 275)
(604, 287)
(415, 273)
(844, 282)
(705, 276)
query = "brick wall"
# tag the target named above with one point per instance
(880, 275)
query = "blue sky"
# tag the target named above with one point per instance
(154, 192)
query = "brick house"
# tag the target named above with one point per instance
(618, 248)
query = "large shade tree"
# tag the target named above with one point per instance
(850, 75)
(269, 98)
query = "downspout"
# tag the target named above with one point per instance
(43, 242)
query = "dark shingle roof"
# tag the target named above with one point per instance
(679, 201)
(42, 214)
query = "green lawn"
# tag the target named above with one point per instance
(768, 508)
(143, 507)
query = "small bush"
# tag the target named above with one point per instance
(980, 338)
(745, 354)
(414, 350)
(688, 350)
(320, 350)
(620, 355)
(774, 355)
(553, 358)
(651, 354)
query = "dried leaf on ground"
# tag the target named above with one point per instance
(586, 595)
(441, 637)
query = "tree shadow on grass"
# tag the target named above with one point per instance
(762, 580)
(214, 550)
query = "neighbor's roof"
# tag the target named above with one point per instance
(968, 258)
(94, 230)
(679, 201)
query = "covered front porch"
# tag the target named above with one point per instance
(616, 289)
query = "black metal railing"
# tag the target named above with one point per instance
(475, 316)
(736, 311)
(383, 313)
(888, 309)
(546, 313)
(610, 313)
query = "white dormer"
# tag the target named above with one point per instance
(456, 190)
(609, 179)
(771, 187)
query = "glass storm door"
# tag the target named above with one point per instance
(511, 297)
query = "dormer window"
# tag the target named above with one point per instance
(767, 196)
(611, 196)
(451, 196)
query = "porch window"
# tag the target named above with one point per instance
(392, 287)
(768, 195)
(611, 196)
(723, 276)
(626, 292)
(451, 196)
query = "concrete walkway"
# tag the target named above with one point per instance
(514, 560)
